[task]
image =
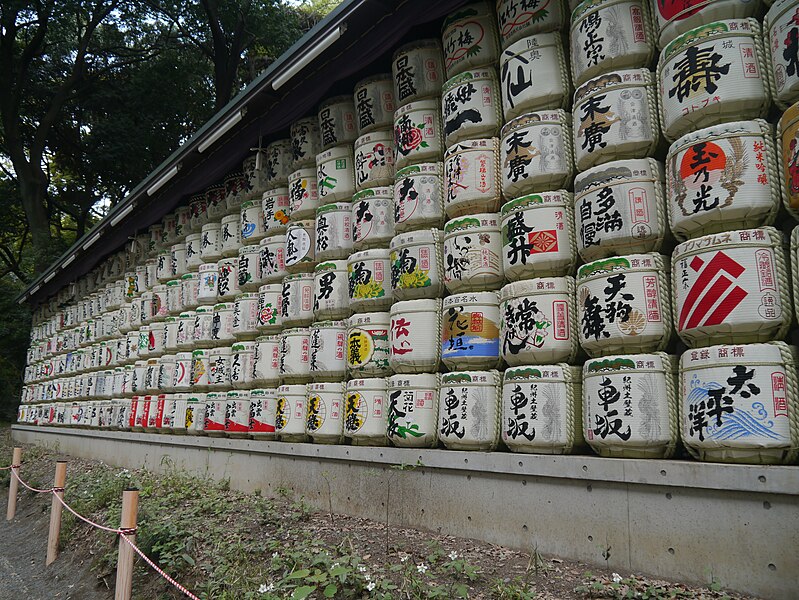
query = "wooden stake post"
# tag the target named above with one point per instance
(130, 508)
(55, 511)
(13, 485)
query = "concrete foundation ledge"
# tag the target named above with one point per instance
(737, 525)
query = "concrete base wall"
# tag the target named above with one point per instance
(734, 524)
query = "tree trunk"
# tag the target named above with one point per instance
(33, 192)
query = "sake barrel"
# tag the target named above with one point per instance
(248, 268)
(156, 241)
(472, 253)
(168, 414)
(417, 264)
(372, 218)
(215, 409)
(520, 19)
(237, 414)
(333, 231)
(255, 176)
(303, 194)
(414, 343)
(295, 355)
(160, 304)
(219, 368)
(266, 361)
(290, 412)
(536, 153)
(276, 205)
(368, 344)
(203, 326)
(174, 298)
(418, 133)
(781, 35)
(296, 300)
(469, 410)
(199, 212)
(726, 413)
(182, 375)
(538, 321)
(534, 74)
(711, 75)
(230, 235)
(263, 404)
(177, 418)
(241, 364)
(200, 369)
(472, 177)
(620, 208)
(615, 117)
(227, 283)
(279, 159)
(788, 133)
(269, 307)
(630, 405)
(675, 18)
(306, 142)
(470, 331)
(374, 102)
(245, 316)
(324, 419)
(328, 359)
(374, 159)
(235, 191)
(418, 197)
(412, 410)
(418, 70)
(721, 178)
(794, 260)
(195, 413)
(177, 260)
(222, 324)
(337, 121)
(253, 228)
(365, 411)
(623, 305)
(470, 38)
(162, 271)
(732, 288)
(211, 242)
(538, 236)
(331, 298)
(155, 417)
(155, 342)
(185, 335)
(470, 106)
(369, 273)
(541, 409)
(299, 250)
(171, 325)
(272, 258)
(190, 290)
(607, 35)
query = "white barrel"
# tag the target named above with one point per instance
(368, 344)
(227, 283)
(675, 18)
(266, 361)
(538, 321)
(335, 175)
(623, 305)
(254, 169)
(144, 348)
(470, 331)
(207, 289)
(171, 326)
(472, 177)
(722, 178)
(615, 116)
(131, 348)
(174, 297)
(203, 326)
(536, 153)
(190, 290)
(732, 288)
(215, 409)
(168, 414)
(472, 253)
(738, 403)
(470, 38)
(412, 417)
(538, 236)
(195, 413)
(417, 264)
(534, 73)
(337, 121)
(276, 205)
(516, 20)
(541, 409)
(248, 269)
(235, 192)
(241, 364)
(328, 350)
(418, 133)
(237, 413)
(269, 307)
(374, 103)
(222, 324)
(182, 375)
(372, 218)
(418, 70)
(295, 355)
(155, 244)
(200, 369)
(780, 37)
(230, 235)
(263, 405)
(199, 212)
(374, 159)
(300, 248)
(272, 258)
(794, 262)
(333, 231)
(177, 417)
(279, 159)
(185, 335)
(324, 419)
(713, 75)
(608, 35)
(471, 106)
(155, 339)
(469, 410)
(177, 259)
(155, 418)
(418, 197)
(251, 222)
(219, 368)
(147, 308)
(211, 242)
(365, 417)
(306, 142)
(245, 316)
(162, 271)
(620, 208)
(303, 194)
(331, 290)
(290, 412)
(369, 275)
(160, 305)
(296, 300)
(414, 342)
(630, 405)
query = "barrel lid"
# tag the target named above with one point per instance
(421, 305)
(472, 222)
(472, 75)
(536, 286)
(375, 192)
(469, 145)
(432, 168)
(554, 373)
(604, 266)
(415, 380)
(280, 190)
(534, 119)
(618, 171)
(420, 236)
(370, 318)
(368, 383)
(331, 265)
(471, 298)
(555, 198)
(626, 362)
(613, 79)
(385, 134)
(461, 377)
(727, 27)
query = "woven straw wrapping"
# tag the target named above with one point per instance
(481, 393)
(515, 22)
(751, 416)
(290, 413)
(417, 140)
(413, 429)
(369, 275)
(419, 197)
(472, 253)
(294, 355)
(323, 423)
(470, 331)
(415, 330)
(367, 345)
(472, 177)
(363, 425)
(479, 19)
(464, 109)
(794, 260)
(417, 264)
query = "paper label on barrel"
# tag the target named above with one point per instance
(374, 163)
(356, 411)
(531, 74)
(410, 412)
(472, 255)
(299, 246)
(276, 210)
(260, 412)
(366, 346)
(539, 236)
(469, 332)
(327, 349)
(532, 323)
(417, 132)
(467, 413)
(516, 19)
(411, 267)
(469, 40)
(335, 178)
(470, 173)
(372, 218)
(317, 413)
(783, 39)
(534, 413)
(367, 279)
(469, 105)
(533, 153)
(417, 196)
(333, 230)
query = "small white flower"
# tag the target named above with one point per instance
(421, 567)
(266, 588)
(275, 555)
(367, 577)
(404, 558)
(335, 565)
(616, 578)
(362, 568)
(370, 586)
(453, 555)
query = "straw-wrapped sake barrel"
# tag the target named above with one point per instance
(412, 418)
(469, 412)
(324, 419)
(365, 416)
(415, 336)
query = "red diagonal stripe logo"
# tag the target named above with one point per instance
(705, 292)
